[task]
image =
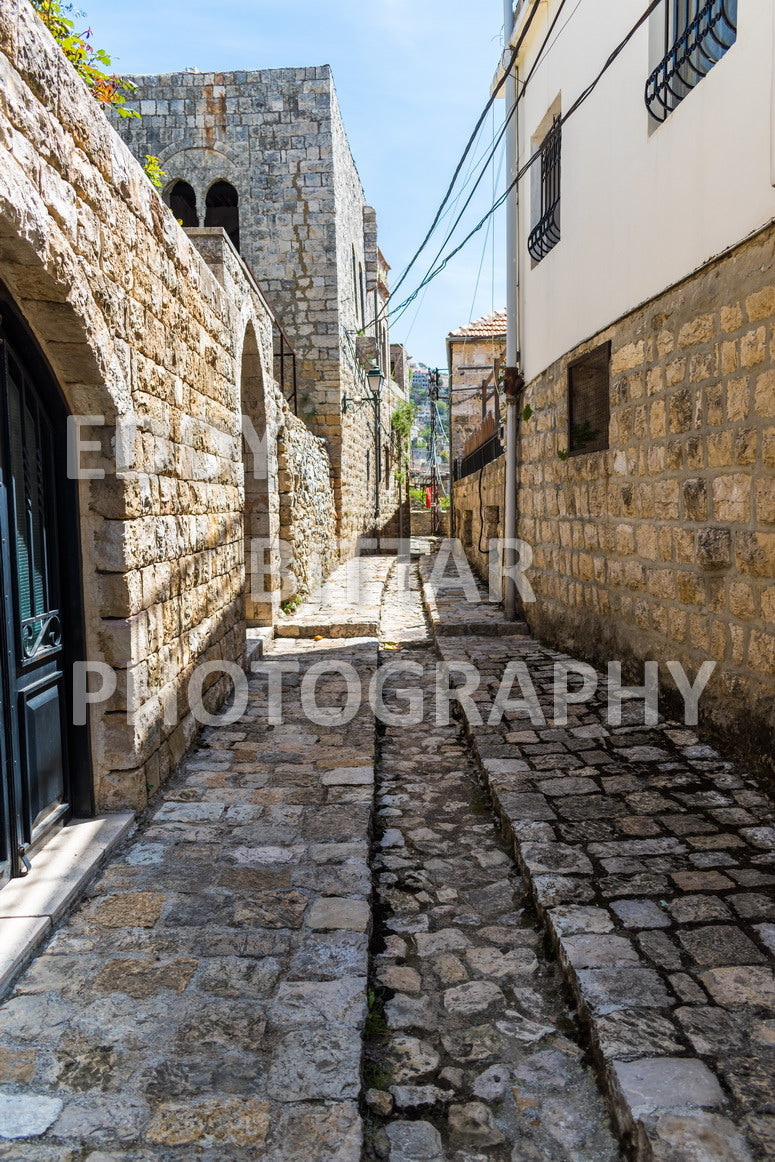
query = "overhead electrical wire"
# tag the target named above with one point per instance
(470, 143)
(491, 151)
(435, 271)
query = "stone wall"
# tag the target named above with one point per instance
(663, 546)
(422, 523)
(277, 136)
(478, 512)
(307, 510)
(137, 329)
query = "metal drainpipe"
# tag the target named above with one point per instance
(513, 382)
(451, 397)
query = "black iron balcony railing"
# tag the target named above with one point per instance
(482, 456)
(546, 233)
(692, 55)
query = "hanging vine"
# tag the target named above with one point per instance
(89, 62)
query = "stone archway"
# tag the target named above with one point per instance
(261, 513)
(67, 343)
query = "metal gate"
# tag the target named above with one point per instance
(40, 593)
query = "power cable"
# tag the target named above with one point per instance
(492, 151)
(399, 310)
(471, 140)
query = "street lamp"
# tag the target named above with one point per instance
(376, 379)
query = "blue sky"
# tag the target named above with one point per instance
(412, 77)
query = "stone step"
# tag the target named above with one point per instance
(328, 629)
(482, 629)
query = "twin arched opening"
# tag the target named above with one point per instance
(221, 206)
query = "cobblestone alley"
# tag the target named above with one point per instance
(241, 984)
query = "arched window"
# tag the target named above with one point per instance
(181, 199)
(222, 209)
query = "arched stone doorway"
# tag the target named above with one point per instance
(44, 756)
(262, 556)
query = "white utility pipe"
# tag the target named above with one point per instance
(512, 324)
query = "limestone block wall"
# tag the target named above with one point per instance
(138, 329)
(471, 360)
(268, 132)
(307, 514)
(277, 136)
(290, 515)
(422, 523)
(663, 546)
(478, 512)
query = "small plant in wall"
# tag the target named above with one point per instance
(89, 62)
(154, 172)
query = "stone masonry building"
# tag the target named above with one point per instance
(474, 353)
(646, 466)
(128, 497)
(265, 154)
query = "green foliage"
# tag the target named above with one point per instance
(89, 62)
(153, 170)
(444, 503)
(402, 419)
(291, 605)
(417, 497)
(527, 413)
(562, 453)
(377, 1075)
(376, 1025)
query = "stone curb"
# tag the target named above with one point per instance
(642, 1092)
(31, 908)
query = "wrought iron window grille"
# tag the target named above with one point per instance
(691, 55)
(546, 233)
(589, 385)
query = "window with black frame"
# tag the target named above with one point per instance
(546, 233)
(697, 33)
(589, 406)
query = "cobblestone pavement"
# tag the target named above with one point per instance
(473, 1053)
(207, 999)
(649, 858)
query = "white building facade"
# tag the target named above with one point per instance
(646, 332)
(643, 202)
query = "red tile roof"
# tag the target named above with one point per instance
(488, 327)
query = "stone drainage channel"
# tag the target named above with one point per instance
(471, 1052)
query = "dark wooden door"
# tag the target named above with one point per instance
(34, 689)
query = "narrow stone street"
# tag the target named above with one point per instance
(207, 999)
(317, 945)
(649, 858)
(479, 1056)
